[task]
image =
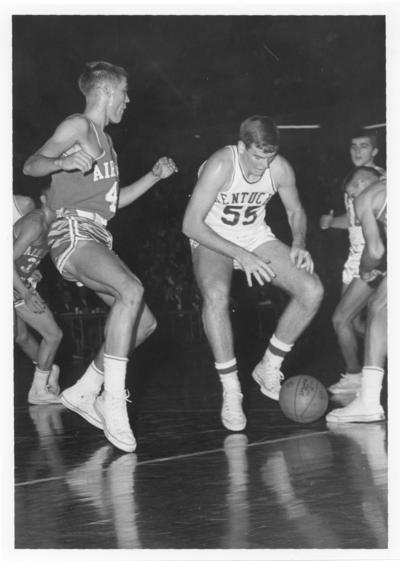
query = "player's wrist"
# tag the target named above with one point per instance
(58, 163)
(371, 275)
(154, 176)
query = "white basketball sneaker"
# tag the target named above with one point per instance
(269, 378)
(79, 399)
(42, 396)
(114, 416)
(356, 412)
(232, 415)
(348, 383)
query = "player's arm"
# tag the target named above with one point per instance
(340, 222)
(70, 135)
(214, 177)
(28, 232)
(163, 168)
(365, 206)
(285, 181)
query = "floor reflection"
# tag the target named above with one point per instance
(191, 484)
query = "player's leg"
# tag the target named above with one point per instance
(305, 292)
(145, 325)
(354, 299)
(213, 273)
(366, 406)
(98, 268)
(25, 339)
(30, 346)
(45, 324)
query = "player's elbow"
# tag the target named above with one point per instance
(187, 226)
(27, 169)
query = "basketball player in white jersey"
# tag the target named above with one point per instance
(370, 209)
(22, 335)
(225, 220)
(355, 293)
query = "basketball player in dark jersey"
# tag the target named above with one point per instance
(23, 337)
(85, 194)
(370, 209)
(225, 220)
(29, 248)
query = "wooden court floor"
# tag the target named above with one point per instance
(191, 484)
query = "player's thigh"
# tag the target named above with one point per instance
(20, 327)
(44, 322)
(212, 270)
(292, 280)
(353, 299)
(101, 270)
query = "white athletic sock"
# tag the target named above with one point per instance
(228, 375)
(40, 378)
(276, 351)
(93, 378)
(115, 374)
(371, 385)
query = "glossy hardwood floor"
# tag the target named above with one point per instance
(191, 484)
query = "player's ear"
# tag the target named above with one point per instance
(107, 89)
(375, 152)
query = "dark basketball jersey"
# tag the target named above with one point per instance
(29, 261)
(95, 191)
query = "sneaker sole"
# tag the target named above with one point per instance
(89, 418)
(348, 391)
(125, 447)
(263, 389)
(356, 418)
(43, 402)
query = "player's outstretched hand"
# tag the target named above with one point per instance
(164, 167)
(34, 302)
(302, 259)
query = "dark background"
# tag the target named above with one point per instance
(193, 79)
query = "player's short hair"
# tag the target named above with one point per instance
(359, 173)
(365, 133)
(261, 131)
(96, 73)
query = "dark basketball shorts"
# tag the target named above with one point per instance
(71, 228)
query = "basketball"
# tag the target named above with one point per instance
(303, 399)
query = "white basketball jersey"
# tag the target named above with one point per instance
(239, 211)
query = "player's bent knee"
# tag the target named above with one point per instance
(22, 338)
(132, 292)
(54, 337)
(312, 292)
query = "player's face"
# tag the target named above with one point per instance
(118, 100)
(362, 152)
(257, 160)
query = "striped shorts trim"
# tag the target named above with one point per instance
(65, 234)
